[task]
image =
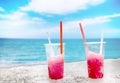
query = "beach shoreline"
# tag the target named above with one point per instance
(74, 72)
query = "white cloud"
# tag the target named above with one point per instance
(18, 19)
(100, 19)
(93, 21)
(1, 9)
(30, 33)
(14, 16)
(18, 28)
(19, 25)
(59, 6)
(92, 26)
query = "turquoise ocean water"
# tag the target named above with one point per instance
(20, 51)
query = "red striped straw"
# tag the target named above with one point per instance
(85, 43)
(61, 43)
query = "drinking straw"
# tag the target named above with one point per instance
(50, 46)
(49, 41)
(61, 43)
(85, 43)
(101, 43)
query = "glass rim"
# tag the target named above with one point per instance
(53, 44)
(96, 42)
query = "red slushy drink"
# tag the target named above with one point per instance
(95, 65)
(56, 67)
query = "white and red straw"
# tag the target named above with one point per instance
(85, 43)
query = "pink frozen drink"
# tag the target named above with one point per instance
(56, 67)
(95, 65)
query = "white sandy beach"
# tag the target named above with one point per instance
(75, 72)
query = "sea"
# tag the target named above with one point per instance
(25, 51)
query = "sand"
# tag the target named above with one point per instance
(75, 72)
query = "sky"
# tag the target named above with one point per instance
(35, 18)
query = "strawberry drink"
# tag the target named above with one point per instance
(56, 67)
(95, 65)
